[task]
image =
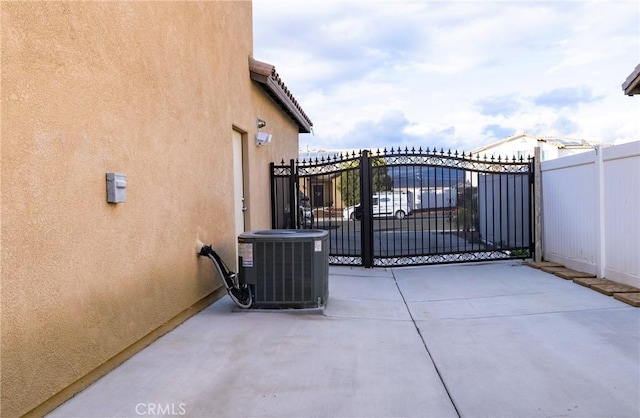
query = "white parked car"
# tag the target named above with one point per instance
(397, 204)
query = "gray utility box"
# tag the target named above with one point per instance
(286, 268)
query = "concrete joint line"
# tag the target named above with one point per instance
(424, 344)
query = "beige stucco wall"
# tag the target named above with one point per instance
(259, 186)
(149, 89)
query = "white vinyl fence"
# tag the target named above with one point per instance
(591, 212)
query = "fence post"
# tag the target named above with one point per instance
(365, 203)
(537, 205)
(601, 251)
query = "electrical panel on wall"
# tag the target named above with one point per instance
(116, 187)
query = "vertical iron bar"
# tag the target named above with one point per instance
(393, 224)
(457, 212)
(512, 206)
(469, 221)
(365, 201)
(422, 212)
(429, 211)
(524, 188)
(454, 207)
(500, 206)
(526, 192)
(475, 208)
(506, 213)
(398, 251)
(350, 228)
(353, 226)
(439, 195)
(486, 214)
(435, 206)
(532, 209)
(514, 214)
(413, 210)
(447, 202)
(346, 222)
(467, 207)
(293, 196)
(273, 194)
(493, 210)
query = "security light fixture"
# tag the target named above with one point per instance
(262, 138)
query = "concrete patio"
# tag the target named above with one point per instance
(496, 339)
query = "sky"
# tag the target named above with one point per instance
(453, 74)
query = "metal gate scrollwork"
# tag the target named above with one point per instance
(409, 207)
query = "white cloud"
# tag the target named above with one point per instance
(604, 31)
(454, 73)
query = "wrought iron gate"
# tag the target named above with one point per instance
(409, 207)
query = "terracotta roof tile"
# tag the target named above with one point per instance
(266, 76)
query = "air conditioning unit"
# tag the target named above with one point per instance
(286, 268)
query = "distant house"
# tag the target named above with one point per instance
(319, 155)
(631, 85)
(523, 146)
(323, 191)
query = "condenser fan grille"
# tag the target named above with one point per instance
(285, 269)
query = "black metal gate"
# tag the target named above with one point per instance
(409, 207)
